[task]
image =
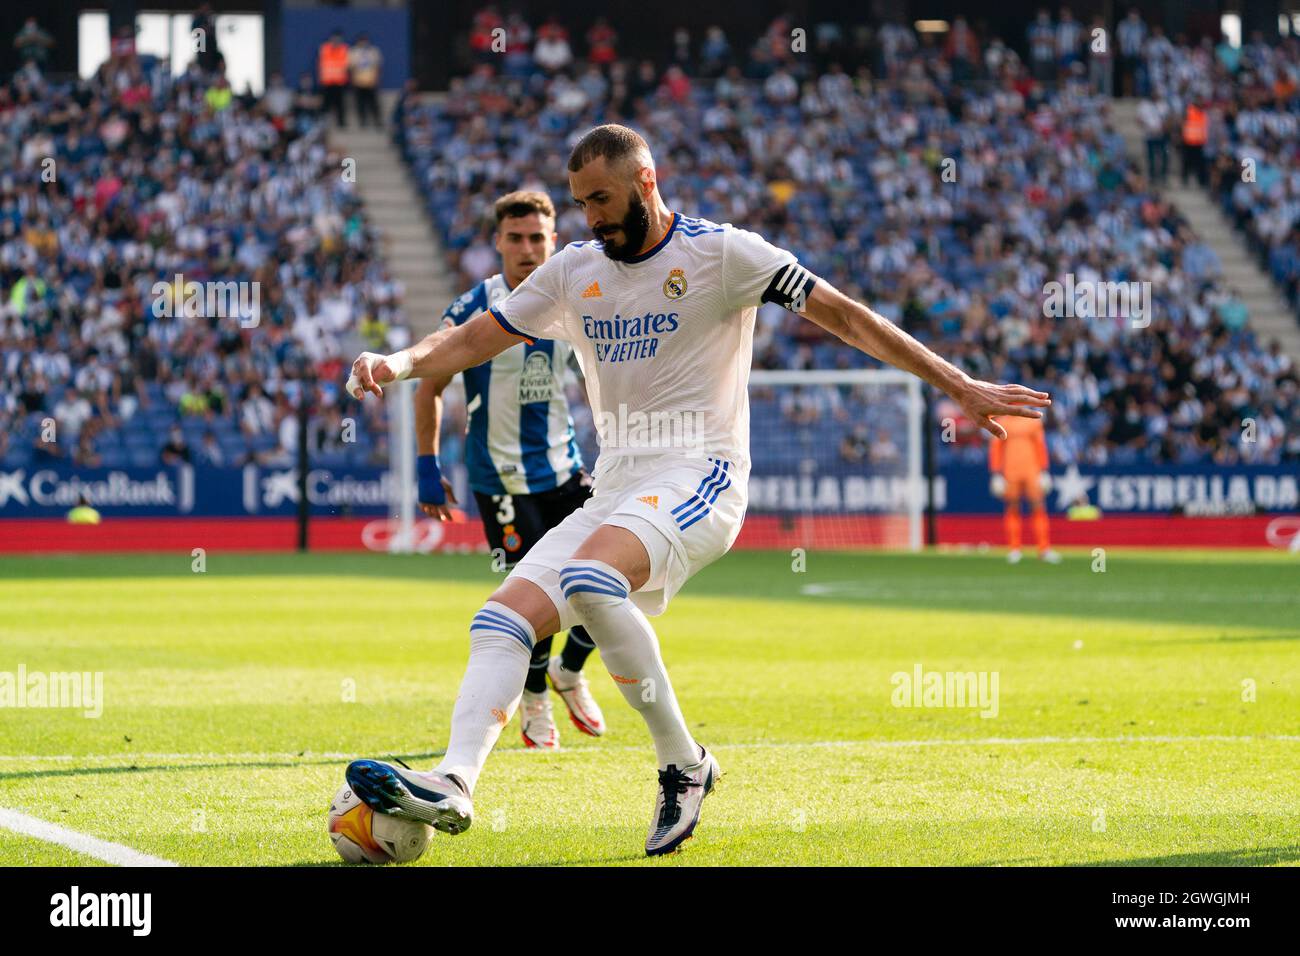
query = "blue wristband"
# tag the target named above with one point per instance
(430, 480)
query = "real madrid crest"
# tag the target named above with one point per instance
(675, 284)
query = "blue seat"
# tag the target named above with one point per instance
(329, 459)
(18, 456)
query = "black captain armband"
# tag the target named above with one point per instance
(790, 287)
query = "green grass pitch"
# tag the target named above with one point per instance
(1125, 730)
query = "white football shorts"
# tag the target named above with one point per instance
(687, 511)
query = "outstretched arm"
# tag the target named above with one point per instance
(439, 355)
(872, 333)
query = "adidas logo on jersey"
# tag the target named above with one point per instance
(651, 500)
(593, 291)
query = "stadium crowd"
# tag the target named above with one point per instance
(945, 184)
(943, 181)
(122, 188)
(1251, 100)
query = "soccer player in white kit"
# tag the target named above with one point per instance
(660, 311)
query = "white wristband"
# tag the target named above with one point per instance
(399, 363)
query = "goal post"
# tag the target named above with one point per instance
(401, 464)
(837, 459)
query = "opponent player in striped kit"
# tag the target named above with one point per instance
(525, 468)
(660, 310)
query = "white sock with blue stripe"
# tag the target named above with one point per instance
(500, 647)
(598, 593)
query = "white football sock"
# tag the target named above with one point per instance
(500, 647)
(630, 651)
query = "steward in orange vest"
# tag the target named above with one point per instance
(1195, 131)
(1195, 126)
(332, 64)
(332, 74)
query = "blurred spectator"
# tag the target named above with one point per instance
(71, 413)
(781, 87)
(602, 43)
(175, 451)
(1069, 41)
(1232, 312)
(854, 446)
(219, 95)
(1101, 58)
(85, 455)
(1195, 133)
(682, 49)
(307, 99)
(122, 48)
(897, 44)
(552, 52)
(33, 44)
(798, 406)
(286, 450)
(28, 289)
(884, 450)
(46, 448)
(676, 85)
(483, 34)
(1153, 116)
(204, 26)
(257, 413)
(83, 512)
(1041, 36)
(519, 42)
(1130, 35)
(715, 52)
(278, 101)
(962, 51)
(209, 452)
(366, 63)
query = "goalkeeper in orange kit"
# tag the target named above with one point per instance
(1018, 465)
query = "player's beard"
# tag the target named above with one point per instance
(635, 227)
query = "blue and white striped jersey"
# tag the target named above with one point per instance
(520, 435)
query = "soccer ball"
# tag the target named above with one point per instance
(362, 836)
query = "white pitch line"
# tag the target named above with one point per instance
(867, 591)
(754, 745)
(114, 853)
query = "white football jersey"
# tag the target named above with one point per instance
(665, 340)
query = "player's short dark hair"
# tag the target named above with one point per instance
(523, 202)
(616, 143)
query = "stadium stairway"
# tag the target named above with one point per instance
(1269, 315)
(396, 207)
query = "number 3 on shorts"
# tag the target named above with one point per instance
(505, 508)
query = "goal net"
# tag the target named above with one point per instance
(836, 460)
